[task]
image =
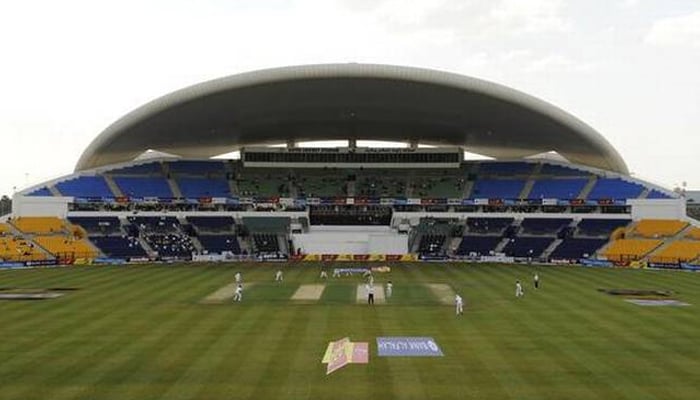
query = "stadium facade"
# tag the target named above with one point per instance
(553, 190)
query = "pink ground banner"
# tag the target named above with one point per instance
(360, 353)
(338, 357)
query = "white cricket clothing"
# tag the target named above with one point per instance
(389, 289)
(238, 296)
(459, 304)
(278, 276)
(238, 277)
(519, 290)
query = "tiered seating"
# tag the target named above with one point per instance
(497, 188)
(655, 194)
(655, 228)
(488, 225)
(66, 246)
(693, 233)
(314, 182)
(544, 226)
(197, 168)
(481, 245)
(506, 168)
(431, 244)
(42, 192)
(557, 188)
(14, 248)
(524, 246)
(119, 246)
(39, 225)
(380, 183)
(265, 182)
(266, 243)
(560, 170)
(85, 186)
(576, 248)
(630, 249)
(678, 251)
(600, 227)
(155, 224)
(615, 188)
(143, 186)
(441, 183)
(97, 225)
(171, 244)
(203, 187)
(212, 224)
(220, 243)
(151, 168)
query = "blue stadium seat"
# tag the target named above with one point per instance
(212, 223)
(615, 188)
(497, 188)
(203, 187)
(560, 170)
(655, 194)
(524, 246)
(143, 187)
(197, 167)
(118, 246)
(576, 248)
(481, 245)
(600, 227)
(488, 225)
(544, 226)
(557, 188)
(220, 243)
(85, 186)
(43, 192)
(506, 168)
(150, 168)
(101, 225)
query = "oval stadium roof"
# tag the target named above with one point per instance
(350, 101)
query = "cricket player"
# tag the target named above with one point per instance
(536, 280)
(278, 276)
(370, 279)
(459, 305)
(389, 288)
(519, 289)
(370, 294)
(238, 277)
(238, 294)
(324, 274)
(336, 273)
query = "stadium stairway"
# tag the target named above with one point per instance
(351, 188)
(195, 241)
(552, 246)
(589, 187)
(467, 191)
(645, 193)
(171, 181)
(112, 185)
(668, 242)
(54, 191)
(530, 183)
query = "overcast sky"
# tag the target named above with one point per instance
(628, 68)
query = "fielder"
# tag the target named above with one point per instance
(459, 305)
(324, 274)
(389, 289)
(536, 280)
(278, 276)
(519, 289)
(238, 295)
(238, 277)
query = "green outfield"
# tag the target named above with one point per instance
(145, 332)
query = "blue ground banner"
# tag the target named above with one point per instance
(408, 346)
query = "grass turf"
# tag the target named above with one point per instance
(140, 332)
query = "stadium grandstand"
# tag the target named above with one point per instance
(153, 185)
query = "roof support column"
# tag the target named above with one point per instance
(291, 143)
(352, 143)
(413, 143)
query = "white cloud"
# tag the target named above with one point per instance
(676, 31)
(533, 16)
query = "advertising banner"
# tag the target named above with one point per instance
(408, 346)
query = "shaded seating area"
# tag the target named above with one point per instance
(577, 248)
(527, 247)
(118, 246)
(479, 245)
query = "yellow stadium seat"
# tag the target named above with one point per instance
(4, 229)
(693, 233)
(679, 251)
(630, 249)
(15, 248)
(63, 246)
(39, 225)
(658, 228)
